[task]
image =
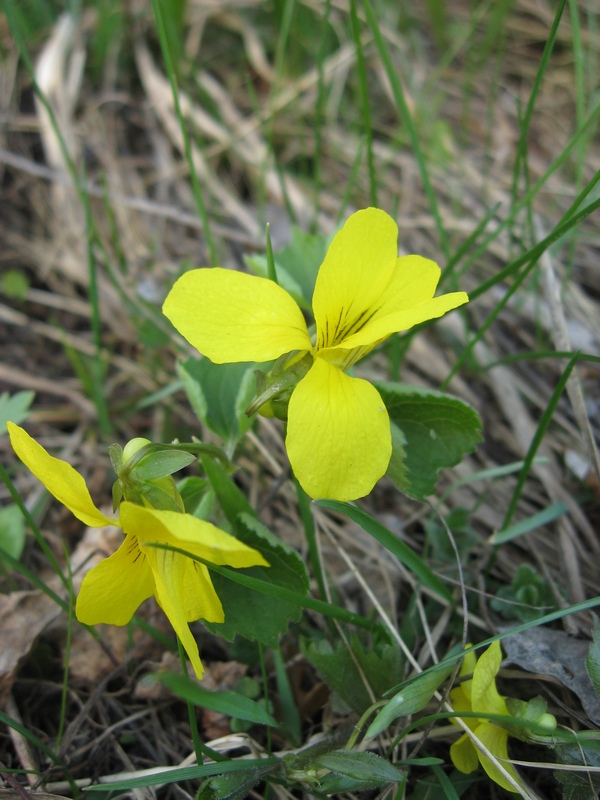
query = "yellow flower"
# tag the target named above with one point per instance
(479, 695)
(112, 591)
(338, 436)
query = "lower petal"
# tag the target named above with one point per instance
(112, 591)
(170, 574)
(495, 740)
(464, 755)
(338, 440)
(199, 596)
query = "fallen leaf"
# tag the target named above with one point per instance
(555, 653)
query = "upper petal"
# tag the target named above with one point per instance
(61, 480)
(408, 300)
(484, 694)
(112, 591)
(338, 440)
(354, 275)
(230, 316)
(188, 533)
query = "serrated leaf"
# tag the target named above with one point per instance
(358, 765)
(253, 614)
(592, 661)
(410, 699)
(249, 613)
(14, 408)
(230, 703)
(219, 393)
(12, 531)
(391, 542)
(381, 665)
(161, 463)
(397, 470)
(439, 431)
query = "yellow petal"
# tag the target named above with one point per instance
(200, 599)
(169, 570)
(230, 316)
(338, 440)
(354, 275)
(188, 533)
(464, 755)
(484, 695)
(461, 702)
(407, 301)
(61, 480)
(495, 740)
(112, 591)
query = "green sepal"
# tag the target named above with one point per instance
(161, 499)
(160, 463)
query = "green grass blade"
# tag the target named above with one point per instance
(535, 188)
(4, 477)
(364, 99)
(163, 36)
(391, 543)
(521, 158)
(536, 441)
(278, 592)
(407, 121)
(543, 517)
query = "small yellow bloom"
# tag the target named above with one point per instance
(338, 437)
(112, 591)
(479, 695)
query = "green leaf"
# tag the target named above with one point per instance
(14, 284)
(397, 470)
(528, 597)
(390, 541)
(360, 766)
(439, 430)
(236, 786)
(219, 395)
(296, 265)
(247, 612)
(411, 698)
(14, 408)
(582, 751)
(230, 703)
(381, 663)
(160, 463)
(12, 531)
(253, 614)
(592, 661)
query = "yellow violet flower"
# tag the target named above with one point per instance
(112, 591)
(479, 695)
(338, 436)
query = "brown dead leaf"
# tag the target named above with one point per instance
(25, 615)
